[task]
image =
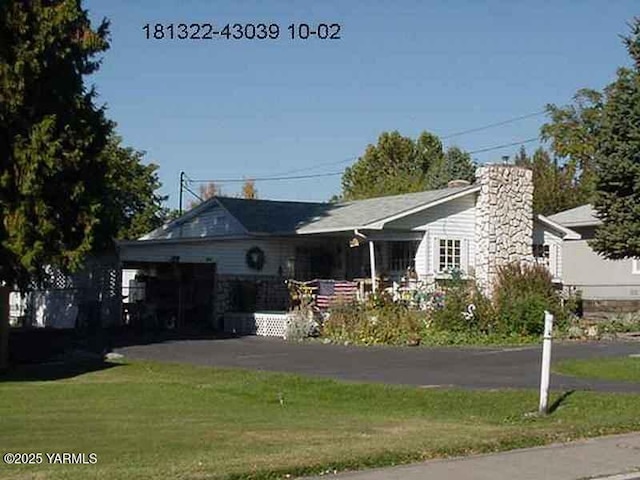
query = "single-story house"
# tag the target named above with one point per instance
(231, 254)
(605, 284)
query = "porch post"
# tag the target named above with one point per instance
(372, 261)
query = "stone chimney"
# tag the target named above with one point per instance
(504, 220)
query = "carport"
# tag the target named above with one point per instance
(168, 295)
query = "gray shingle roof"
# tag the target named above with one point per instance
(581, 216)
(284, 217)
(348, 215)
(271, 216)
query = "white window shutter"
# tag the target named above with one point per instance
(464, 255)
(435, 255)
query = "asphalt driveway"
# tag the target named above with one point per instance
(485, 368)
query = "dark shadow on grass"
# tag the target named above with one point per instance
(118, 338)
(559, 401)
(54, 370)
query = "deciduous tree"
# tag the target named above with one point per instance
(205, 192)
(553, 183)
(249, 190)
(398, 164)
(573, 132)
(131, 205)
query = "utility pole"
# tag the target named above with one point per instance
(181, 189)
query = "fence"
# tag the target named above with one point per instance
(268, 324)
(89, 298)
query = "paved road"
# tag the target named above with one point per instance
(613, 458)
(461, 367)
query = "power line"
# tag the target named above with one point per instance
(333, 174)
(325, 164)
(505, 145)
(283, 175)
(264, 179)
(492, 125)
(193, 193)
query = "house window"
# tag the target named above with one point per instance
(541, 254)
(540, 251)
(449, 255)
(402, 256)
(635, 267)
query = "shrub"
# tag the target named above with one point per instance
(301, 324)
(304, 321)
(455, 311)
(463, 307)
(378, 321)
(521, 295)
(523, 316)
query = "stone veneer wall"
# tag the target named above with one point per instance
(271, 293)
(504, 220)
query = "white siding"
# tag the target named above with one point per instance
(543, 235)
(455, 219)
(229, 255)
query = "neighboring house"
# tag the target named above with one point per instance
(595, 276)
(231, 254)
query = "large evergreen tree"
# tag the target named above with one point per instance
(458, 166)
(617, 199)
(398, 164)
(67, 187)
(51, 136)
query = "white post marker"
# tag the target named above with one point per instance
(372, 260)
(546, 362)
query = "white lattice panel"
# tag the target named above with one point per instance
(271, 324)
(263, 324)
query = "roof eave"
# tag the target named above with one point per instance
(568, 233)
(379, 224)
(586, 223)
(333, 230)
(159, 241)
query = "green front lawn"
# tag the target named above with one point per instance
(626, 369)
(149, 420)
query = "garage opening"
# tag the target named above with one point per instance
(167, 296)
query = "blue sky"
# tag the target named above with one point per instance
(227, 109)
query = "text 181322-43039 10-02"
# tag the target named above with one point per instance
(241, 31)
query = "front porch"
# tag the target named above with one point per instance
(204, 286)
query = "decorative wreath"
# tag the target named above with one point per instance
(255, 258)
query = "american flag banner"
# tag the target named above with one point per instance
(329, 291)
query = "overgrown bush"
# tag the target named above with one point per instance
(463, 308)
(521, 295)
(457, 312)
(304, 320)
(377, 321)
(301, 324)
